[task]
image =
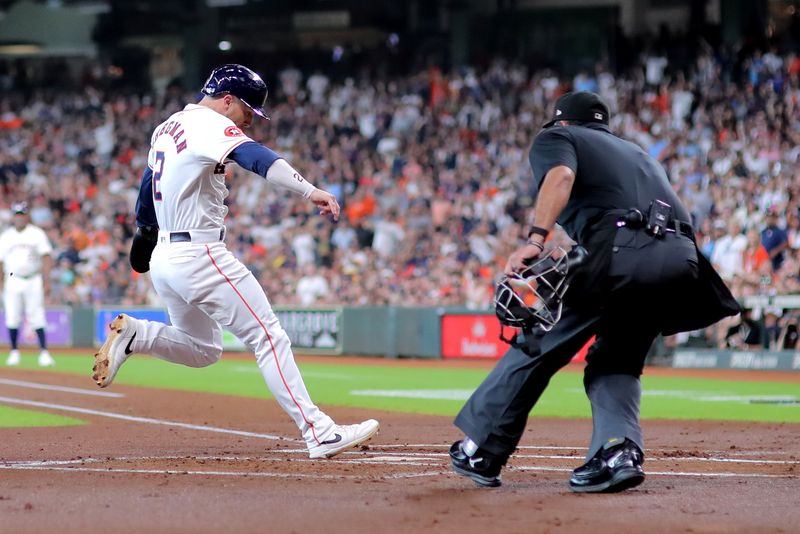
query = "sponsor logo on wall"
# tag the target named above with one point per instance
(312, 330)
(58, 330)
(728, 359)
(472, 336)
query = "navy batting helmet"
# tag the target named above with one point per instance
(240, 82)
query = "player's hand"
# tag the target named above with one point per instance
(521, 258)
(326, 203)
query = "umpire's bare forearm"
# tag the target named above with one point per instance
(553, 196)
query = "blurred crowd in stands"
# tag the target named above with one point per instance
(433, 175)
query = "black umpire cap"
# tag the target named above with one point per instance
(580, 106)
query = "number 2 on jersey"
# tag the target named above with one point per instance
(157, 170)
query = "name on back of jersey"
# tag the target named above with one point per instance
(175, 130)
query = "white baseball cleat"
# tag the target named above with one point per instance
(114, 351)
(45, 360)
(13, 358)
(344, 437)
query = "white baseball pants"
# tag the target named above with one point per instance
(24, 294)
(204, 286)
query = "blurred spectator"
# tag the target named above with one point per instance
(388, 235)
(728, 254)
(747, 333)
(304, 245)
(290, 79)
(772, 329)
(789, 337)
(312, 286)
(425, 165)
(775, 239)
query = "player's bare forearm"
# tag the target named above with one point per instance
(553, 196)
(47, 265)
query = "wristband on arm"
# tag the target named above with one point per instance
(538, 230)
(536, 244)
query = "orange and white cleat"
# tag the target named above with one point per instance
(114, 351)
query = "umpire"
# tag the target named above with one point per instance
(644, 277)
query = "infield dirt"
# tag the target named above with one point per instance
(116, 475)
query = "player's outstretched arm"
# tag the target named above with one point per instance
(261, 160)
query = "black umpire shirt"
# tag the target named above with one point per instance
(610, 173)
(611, 176)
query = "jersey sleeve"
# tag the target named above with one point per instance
(216, 137)
(145, 210)
(551, 148)
(254, 157)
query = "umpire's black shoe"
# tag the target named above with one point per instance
(482, 467)
(616, 467)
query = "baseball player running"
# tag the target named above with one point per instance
(25, 255)
(180, 239)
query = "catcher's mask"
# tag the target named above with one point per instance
(533, 297)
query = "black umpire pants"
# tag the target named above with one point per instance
(644, 283)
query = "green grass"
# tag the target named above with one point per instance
(334, 384)
(16, 418)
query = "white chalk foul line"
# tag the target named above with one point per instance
(663, 473)
(735, 455)
(670, 459)
(431, 455)
(48, 463)
(70, 466)
(148, 420)
(177, 424)
(383, 460)
(212, 473)
(50, 387)
(395, 459)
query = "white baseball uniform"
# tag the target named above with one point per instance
(21, 254)
(201, 282)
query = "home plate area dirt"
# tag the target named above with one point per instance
(166, 461)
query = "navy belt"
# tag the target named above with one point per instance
(186, 237)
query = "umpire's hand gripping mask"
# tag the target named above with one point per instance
(533, 297)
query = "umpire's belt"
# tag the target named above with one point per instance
(25, 277)
(212, 235)
(682, 227)
(635, 221)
